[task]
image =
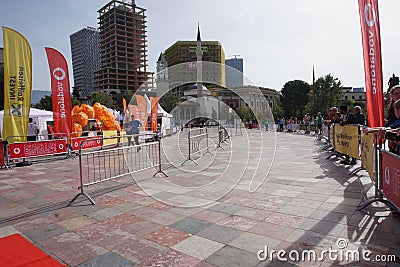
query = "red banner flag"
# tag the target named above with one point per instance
(60, 90)
(154, 113)
(124, 105)
(371, 41)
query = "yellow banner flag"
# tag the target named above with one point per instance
(17, 85)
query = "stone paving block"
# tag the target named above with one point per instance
(76, 222)
(141, 228)
(275, 231)
(237, 222)
(322, 227)
(285, 219)
(137, 249)
(330, 216)
(340, 208)
(167, 236)
(296, 210)
(300, 202)
(198, 247)
(310, 239)
(253, 242)
(171, 257)
(254, 214)
(106, 260)
(231, 256)
(190, 225)
(166, 218)
(225, 208)
(45, 232)
(220, 233)
(210, 216)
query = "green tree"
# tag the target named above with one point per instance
(245, 114)
(104, 99)
(327, 93)
(277, 110)
(169, 101)
(45, 103)
(1, 89)
(294, 97)
(75, 101)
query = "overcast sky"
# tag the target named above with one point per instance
(279, 40)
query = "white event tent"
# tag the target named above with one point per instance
(40, 117)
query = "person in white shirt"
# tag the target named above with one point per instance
(33, 131)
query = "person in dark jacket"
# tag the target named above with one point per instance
(359, 117)
(347, 118)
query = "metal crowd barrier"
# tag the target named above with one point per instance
(385, 177)
(195, 137)
(101, 165)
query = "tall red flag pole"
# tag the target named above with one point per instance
(371, 42)
(60, 91)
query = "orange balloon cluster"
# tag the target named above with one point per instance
(104, 118)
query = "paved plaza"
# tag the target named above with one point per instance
(259, 193)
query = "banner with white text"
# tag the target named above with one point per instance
(60, 91)
(371, 42)
(17, 85)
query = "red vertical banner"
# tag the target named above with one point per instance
(371, 42)
(60, 90)
(154, 113)
(142, 106)
(124, 105)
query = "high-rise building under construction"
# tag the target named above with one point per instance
(123, 48)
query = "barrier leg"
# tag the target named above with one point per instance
(208, 149)
(356, 170)
(189, 154)
(84, 194)
(159, 161)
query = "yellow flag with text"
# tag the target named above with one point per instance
(17, 85)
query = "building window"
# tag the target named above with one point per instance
(345, 97)
(352, 97)
(359, 97)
